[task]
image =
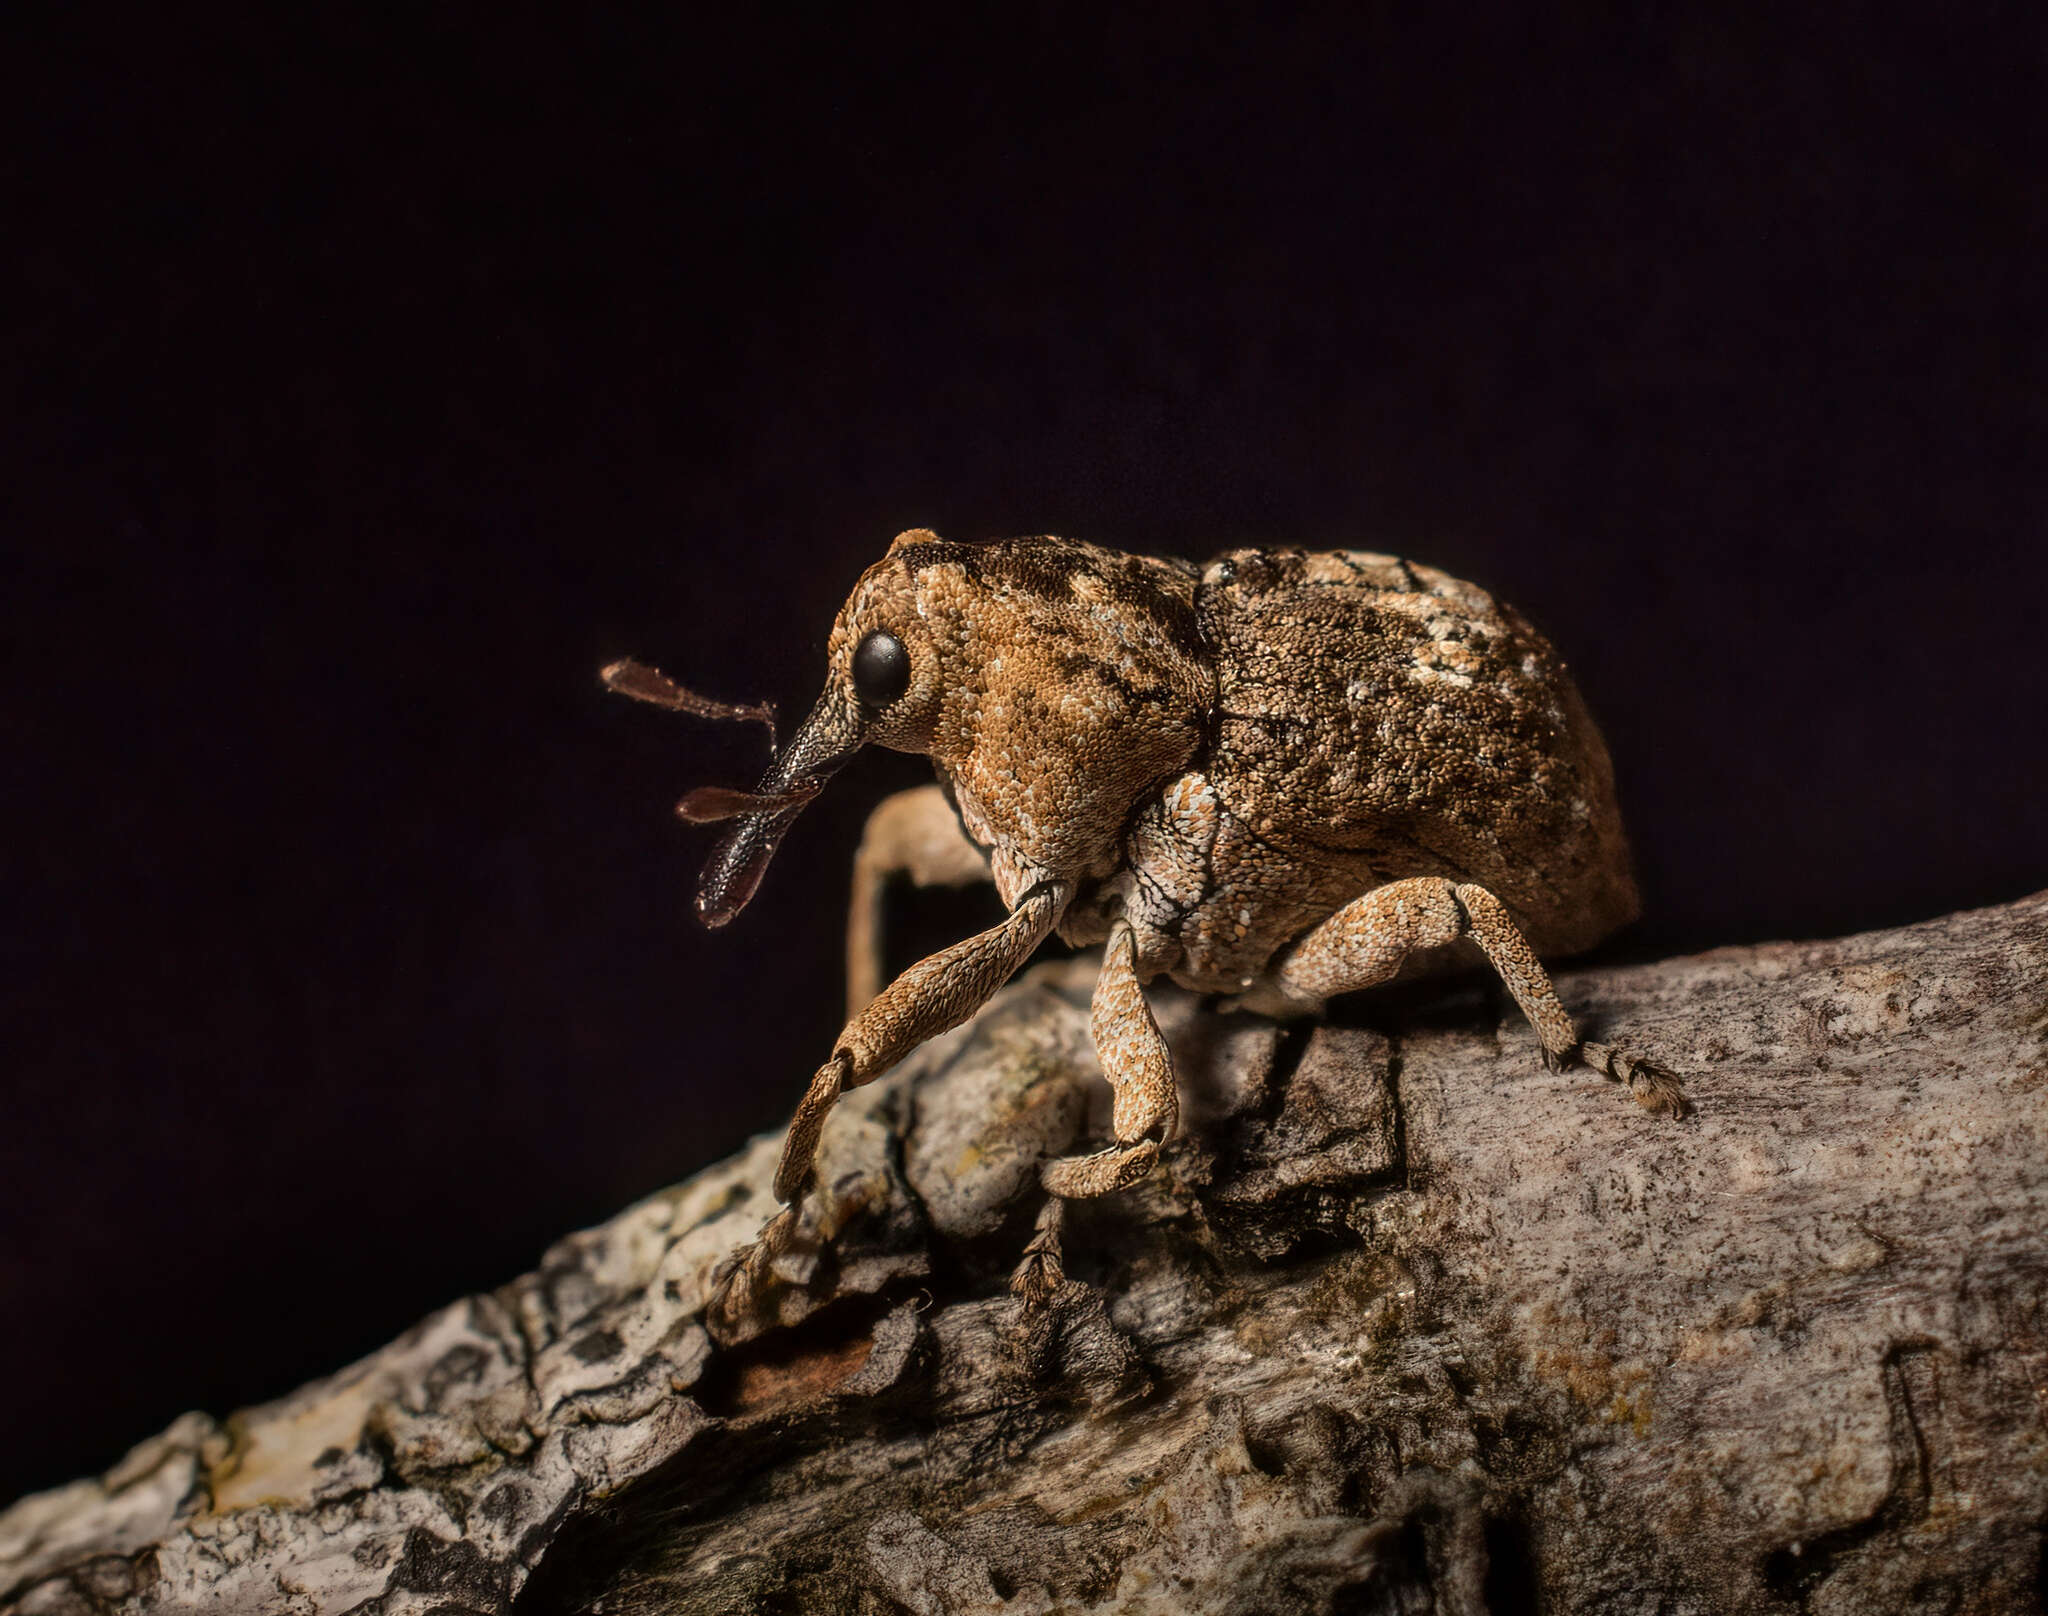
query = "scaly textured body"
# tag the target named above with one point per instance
(1284, 775)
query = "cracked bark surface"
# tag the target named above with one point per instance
(1405, 1323)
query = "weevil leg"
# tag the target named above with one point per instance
(1367, 941)
(1655, 1087)
(914, 833)
(938, 992)
(1042, 1272)
(1145, 1107)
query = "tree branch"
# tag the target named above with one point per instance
(1404, 1323)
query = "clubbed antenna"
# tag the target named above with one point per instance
(644, 683)
(709, 804)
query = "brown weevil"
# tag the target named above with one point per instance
(1281, 776)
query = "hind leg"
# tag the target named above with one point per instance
(1368, 940)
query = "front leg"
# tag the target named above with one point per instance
(935, 994)
(915, 833)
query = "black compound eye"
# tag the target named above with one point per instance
(881, 668)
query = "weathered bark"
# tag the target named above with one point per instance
(1407, 1323)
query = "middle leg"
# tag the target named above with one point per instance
(1145, 1107)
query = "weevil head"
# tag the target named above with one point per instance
(1050, 682)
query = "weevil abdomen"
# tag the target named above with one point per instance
(1372, 706)
(1375, 720)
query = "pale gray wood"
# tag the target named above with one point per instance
(1406, 1324)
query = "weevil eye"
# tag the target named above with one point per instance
(881, 668)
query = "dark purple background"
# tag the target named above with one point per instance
(370, 390)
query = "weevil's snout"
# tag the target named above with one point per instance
(882, 685)
(816, 752)
(736, 867)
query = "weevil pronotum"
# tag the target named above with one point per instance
(1280, 776)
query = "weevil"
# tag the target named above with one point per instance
(1277, 777)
